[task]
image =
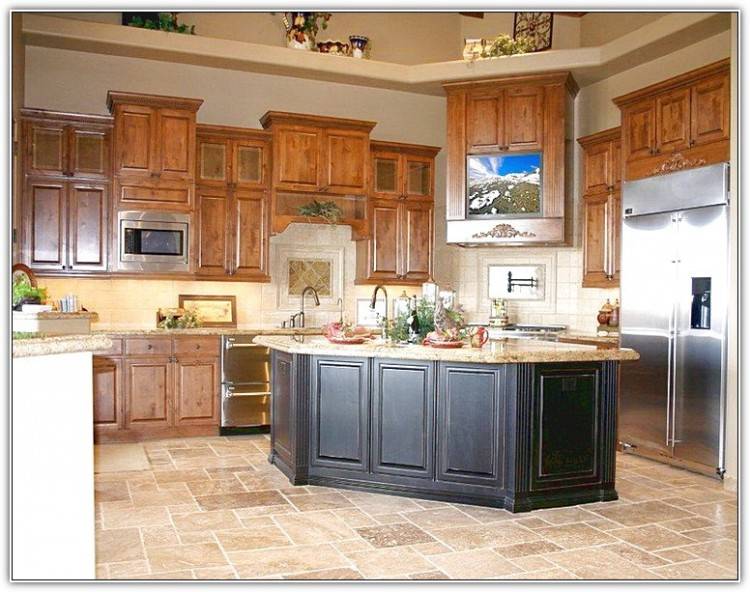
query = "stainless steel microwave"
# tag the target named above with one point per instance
(153, 241)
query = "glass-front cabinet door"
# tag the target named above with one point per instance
(249, 164)
(386, 175)
(213, 158)
(418, 176)
(46, 148)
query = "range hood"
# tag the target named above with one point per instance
(506, 231)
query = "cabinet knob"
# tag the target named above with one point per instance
(692, 143)
(149, 346)
(197, 346)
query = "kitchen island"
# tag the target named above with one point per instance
(517, 424)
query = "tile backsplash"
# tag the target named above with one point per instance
(132, 303)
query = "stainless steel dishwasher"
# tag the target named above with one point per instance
(245, 384)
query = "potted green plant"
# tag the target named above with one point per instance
(25, 293)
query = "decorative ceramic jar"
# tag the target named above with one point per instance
(334, 47)
(359, 44)
(296, 35)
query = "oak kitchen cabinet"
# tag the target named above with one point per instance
(399, 249)
(318, 158)
(154, 150)
(682, 122)
(602, 167)
(504, 116)
(232, 203)
(64, 199)
(148, 387)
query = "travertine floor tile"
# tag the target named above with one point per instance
(213, 508)
(185, 557)
(310, 528)
(394, 535)
(118, 544)
(245, 539)
(286, 560)
(474, 564)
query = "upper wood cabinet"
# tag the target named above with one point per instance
(69, 145)
(516, 114)
(505, 119)
(679, 123)
(154, 149)
(318, 156)
(402, 171)
(321, 154)
(399, 249)
(601, 208)
(65, 225)
(232, 203)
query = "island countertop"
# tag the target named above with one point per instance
(510, 351)
(59, 344)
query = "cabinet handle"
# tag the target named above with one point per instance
(692, 143)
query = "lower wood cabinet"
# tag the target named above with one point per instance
(158, 387)
(403, 418)
(340, 413)
(471, 424)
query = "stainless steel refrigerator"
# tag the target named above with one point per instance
(674, 283)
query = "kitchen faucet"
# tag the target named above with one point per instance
(340, 303)
(301, 314)
(384, 333)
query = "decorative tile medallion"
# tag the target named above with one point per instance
(310, 272)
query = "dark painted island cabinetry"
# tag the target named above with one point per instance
(519, 436)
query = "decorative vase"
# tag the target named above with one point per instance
(296, 36)
(333, 47)
(359, 43)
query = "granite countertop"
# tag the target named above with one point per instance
(54, 315)
(114, 331)
(494, 352)
(593, 338)
(45, 345)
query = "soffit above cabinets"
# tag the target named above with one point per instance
(588, 64)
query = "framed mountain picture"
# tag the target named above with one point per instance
(504, 185)
(537, 26)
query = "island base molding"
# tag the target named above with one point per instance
(515, 436)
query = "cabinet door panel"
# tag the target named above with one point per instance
(176, 141)
(347, 156)
(418, 181)
(386, 175)
(250, 227)
(107, 392)
(470, 424)
(213, 161)
(135, 139)
(484, 122)
(673, 120)
(197, 391)
(596, 240)
(616, 164)
(212, 231)
(45, 221)
(566, 434)
(282, 405)
(710, 104)
(417, 240)
(597, 168)
(615, 221)
(385, 241)
(88, 207)
(90, 153)
(149, 388)
(340, 413)
(46, 150)
(639, 130)
(250, 163)
(403, 414)
(523, 118)
(297, 153)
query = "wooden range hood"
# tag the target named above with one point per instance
(499, 118)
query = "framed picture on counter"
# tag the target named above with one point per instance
(213, 311)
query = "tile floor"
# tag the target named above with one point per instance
(213, 508)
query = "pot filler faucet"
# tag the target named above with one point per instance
(373, 300)
(300, 316)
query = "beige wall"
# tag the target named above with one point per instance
(597, 28)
